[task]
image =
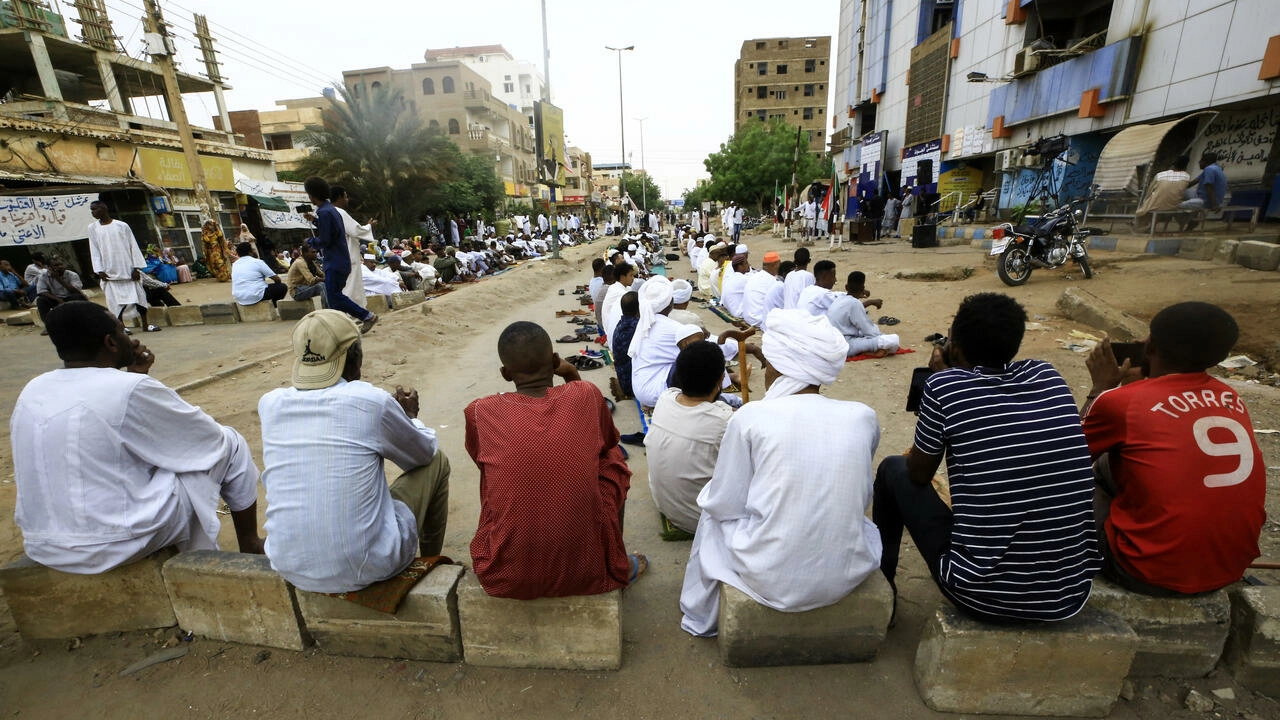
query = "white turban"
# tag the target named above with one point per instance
(681, 291)
(685, 332)
(655, 296)
(805, 350)
(631, 247)
(740, 250)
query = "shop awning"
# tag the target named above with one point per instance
(1135, 147)
(58, 183)
(267, 202)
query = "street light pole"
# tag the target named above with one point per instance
(546, 97)
(644, 177)
(622, 127)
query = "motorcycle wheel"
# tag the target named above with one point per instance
(1014, 266)
(1084, 267)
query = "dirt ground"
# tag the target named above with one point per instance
(446, 349)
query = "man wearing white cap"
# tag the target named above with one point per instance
(708, 269)
(774, 497)
(653, 347)
(377, 282)
(763, 292)
(333, 525)
(733, 287)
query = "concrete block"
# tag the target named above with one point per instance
(1258, 255)
(424, 628)
(852, 630)
(1089, 309)
(1253, 647)
(233, 597)
(258, 312)
(294, 309)
(407, 299)
(185, 315)
(953, 241)
(1164, 246)
(48, 604)
(219, 314)
(21, 318)
(1177, 637)
(1069, 668)
(1132, 245)
(1102, 242)
(1226, 252)
(158, 316)
(1201, 248)
(377, 304)
(568, 633)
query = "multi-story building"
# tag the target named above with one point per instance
(784, 79)
(450, 96)
(283, 132)
(579, 192)
(608, 182)
(956, 90)
(514, 82)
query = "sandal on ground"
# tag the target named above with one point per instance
(888, 320)
(639, 564)
(586, 363)
(151, 328)
(568, 339)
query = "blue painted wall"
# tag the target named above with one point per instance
(1072, 180)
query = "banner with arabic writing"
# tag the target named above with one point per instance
(41, 219)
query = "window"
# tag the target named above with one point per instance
(808, 90)
(762, 69)
(810, 65)
(811, 43)
(447, 84)
(434, 125)
(782, 70)
(780, 94)
(760, 114)
(506, 77)
(821, 110)
(508, 87)
(453, 127)
(528, 89)
(808, 113)
(355, 91)
(428, 86)
(761, 92)
(782, 43)
(375, 85)
(760, 44)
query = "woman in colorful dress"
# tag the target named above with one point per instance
(215, 251)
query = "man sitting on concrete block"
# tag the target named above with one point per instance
(782, 517)
(250, 276)
(306, 278)
(1181, 480)
(553, 481)
(1018, 541)
(333, 526)
(111, 465)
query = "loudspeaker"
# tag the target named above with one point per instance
(924, 173)
(924, 236)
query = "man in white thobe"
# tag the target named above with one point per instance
(733, 286)
(653, 348)
(118, 262)
(763, 291)
(783, 520)
(817, 298)
(377, 282)
(358, 236)
(797, 280)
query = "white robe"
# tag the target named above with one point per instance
(759, 285)
(357, 235)
(783, 521)
(732, 291)
(795, 283)
(611, 308)
(114, 251)
(816, 300)
(651, 364)
(379, 283)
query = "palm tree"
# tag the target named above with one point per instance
(382, 154)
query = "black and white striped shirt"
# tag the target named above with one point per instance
(1023, 545)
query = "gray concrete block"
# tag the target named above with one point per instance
(1226, 252)
(258, 312)
(1253, 647)
(294, 309)
(1258, 255)
(158, 316)
(583, 632)
(1069, 668)
(219, 314)
(185, 315)
(407, 299)
(1089, 309)
(48, 604)
(852, 630)
(1199, 248)
(1177, 637)
(377, 304)
(25, 317)
(425, 627)
(233, 597)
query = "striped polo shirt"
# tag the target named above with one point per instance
(1023, 545)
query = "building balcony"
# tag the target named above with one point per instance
(1058, 88)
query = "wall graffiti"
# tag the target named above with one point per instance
(1243, 141)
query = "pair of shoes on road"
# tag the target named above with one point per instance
(582, 362)
(367, 325)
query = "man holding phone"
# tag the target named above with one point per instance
(1181, 483)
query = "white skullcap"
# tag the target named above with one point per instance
(371, 256)
(717, 246)
(805, 349)
(681, 291)
(631, 247)
(655, 296)
(741, 250)
(685, 332)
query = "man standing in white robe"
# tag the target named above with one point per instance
(357, 237)
(118, 262)
(783, 520)
(653, 348)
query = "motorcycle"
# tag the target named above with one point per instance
(1047, 242)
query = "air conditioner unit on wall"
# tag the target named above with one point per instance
(1026, 61)
(1007, 160)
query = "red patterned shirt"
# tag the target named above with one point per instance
(552, 483)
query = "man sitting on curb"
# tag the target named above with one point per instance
(550, 511)
(1181, 488)
(333, 525)
(250, 276)
(848, 313)
(1018, 541)
(306, 279)
(111, 465)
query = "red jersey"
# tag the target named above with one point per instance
(1190, 478)
(552, 482)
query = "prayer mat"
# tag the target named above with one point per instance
(865, 356)
(671, 533)
(723, 314)
(386, 596)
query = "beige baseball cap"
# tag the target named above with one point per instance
(320, 344)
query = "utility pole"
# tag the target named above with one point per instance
(622, 126)
(546, 97)
(644, 177)
(160, 48)
(795, 192)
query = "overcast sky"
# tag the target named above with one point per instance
(679, 77)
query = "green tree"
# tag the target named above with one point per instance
(474, 188)
(383, 155)
(642, 189)
(757, 156)
(693, 198)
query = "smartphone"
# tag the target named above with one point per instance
(918, 376)
(1134, 352)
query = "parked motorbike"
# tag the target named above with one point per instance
(1048, 242)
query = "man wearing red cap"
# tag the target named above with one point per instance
(764, 291)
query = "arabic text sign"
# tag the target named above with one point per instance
(42, 219)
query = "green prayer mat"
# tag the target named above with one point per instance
(671, 533)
